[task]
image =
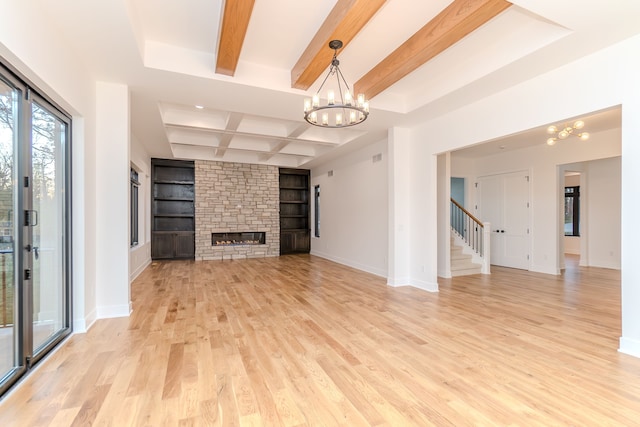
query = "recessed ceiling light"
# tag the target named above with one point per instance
(199, 107)
(502, 147)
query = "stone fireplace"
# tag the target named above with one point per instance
(235, 201)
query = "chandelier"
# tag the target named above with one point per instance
(566, 132)
(340, 111)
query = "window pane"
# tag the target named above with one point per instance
(568, 216)
(8, 136)
(49, 136)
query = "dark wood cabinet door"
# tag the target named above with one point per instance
(296, 241)
(172, 245)
(162, 245)
(184, 245)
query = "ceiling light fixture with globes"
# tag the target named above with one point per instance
(341, 109)
(566, 132)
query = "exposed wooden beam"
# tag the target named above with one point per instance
(343, 23)
(452, 24)
(235, 22)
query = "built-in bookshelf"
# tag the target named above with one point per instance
(295, 233)
(172, 209)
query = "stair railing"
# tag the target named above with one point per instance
(474, 232)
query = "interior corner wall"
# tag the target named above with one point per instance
(609, 75)
(354, 209)
(112, 205)
(39, 53)
(140, 255)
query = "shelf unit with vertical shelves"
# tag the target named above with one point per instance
(172, 209)
(295, 232)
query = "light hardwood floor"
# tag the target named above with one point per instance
(298, 340)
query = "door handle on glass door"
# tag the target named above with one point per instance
(36, 254)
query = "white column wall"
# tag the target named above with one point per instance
(399, 179)
(423, 233)
(112, 203)
(444, 215)
(602, 80)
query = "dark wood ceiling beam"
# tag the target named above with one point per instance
(235, 22)
(343, 23)
(452, 24)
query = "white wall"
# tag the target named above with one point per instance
(38, 52)
(603, 80)
(603, 207)
(354, 210)
(112, 204)
(140, 255)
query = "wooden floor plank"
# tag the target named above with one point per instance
(301, 341)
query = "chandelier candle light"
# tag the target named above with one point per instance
(566, 132)
(339, 112)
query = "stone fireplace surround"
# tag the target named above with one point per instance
(232, 198)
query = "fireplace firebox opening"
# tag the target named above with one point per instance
(237, 239)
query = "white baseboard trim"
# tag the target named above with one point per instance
(139, 270)
(349, 263)
(425, 286)
(629, 346)
(603, 263)
(82, 325)
(446, 274)
(545, 270)
(111, 311)
(398, 281)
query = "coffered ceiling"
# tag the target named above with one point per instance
(250, 64)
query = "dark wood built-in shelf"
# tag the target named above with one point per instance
(295, 233)
(172, 209)
(160, 181)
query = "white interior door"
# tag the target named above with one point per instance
(516, 220)
(504, 202)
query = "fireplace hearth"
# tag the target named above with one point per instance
(238, 239)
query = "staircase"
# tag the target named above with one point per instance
(462, 263)
(470, 243)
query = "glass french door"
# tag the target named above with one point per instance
(34, 227)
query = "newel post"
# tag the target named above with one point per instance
(486, 248)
